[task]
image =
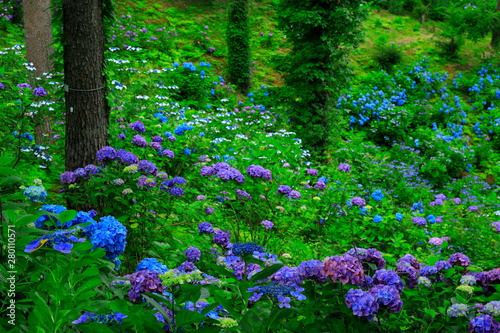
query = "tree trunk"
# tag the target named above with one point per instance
(495, 33)
(38, 38)
(87, 112)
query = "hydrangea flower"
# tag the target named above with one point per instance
(144, 281)
(60, 240)
(106, 154)
(267, 224)
(459, 259)
(221, 238)
(206, 228)
(362, 303)
(148, 167)
(68, 177)
(458, 310)
(389, 278)
(312, 172)
(137, 126)
(420, 221)
(284, 189)
(378, 218)
(484, 323)
(492, 308)
(344, 167)
(36, 193)
(139, 141)
(258, 171)
(311, 269)
(387, 296)
(345, 268)
(358, 201)
(151, 264)
(108, 234)
(377, 195)
(193, 254)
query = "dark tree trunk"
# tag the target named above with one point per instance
(238, 45)
(38, 38)
(87, 112)
(495, 33)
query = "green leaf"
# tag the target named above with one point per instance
(266, 272)
(67, 216)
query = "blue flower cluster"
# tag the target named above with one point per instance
(108, 234)
(36, 193)
(153, 265)
(111, 318)
(60, 240)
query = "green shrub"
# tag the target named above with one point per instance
(388, 55)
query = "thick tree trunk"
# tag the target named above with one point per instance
(38, 38)
(87, 112)
(495, 33)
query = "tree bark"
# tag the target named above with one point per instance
(495, 33)
(87, 112)
(38, 38)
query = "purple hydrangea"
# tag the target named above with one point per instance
(39, 91)
(484, 323)
(294, 194)
(137, 126)
(144, 181)
(362, 303)
(148, 167)
(287, 276)
(312, 172)
(267, 224)
(345, 268)
(284, 189)
(68, 177)
(418, 220)
(459, 259)
(167, 152)
(80, 173)
(127, 157)
(139, 141)
(387, 296)
(207, 171)
(368, 256)
(193, 254)
(344, 167)
(221, 238)
(496, 227)
(155, 145)
(206, 228)
(358, 201)
(209, 210)
(320, 185)
(243, 195)
(144, 282)
(311, 269)
(91, 169)
(157, 138)
(259, 172)
(106, 154)
(179, 180)
(388, 278)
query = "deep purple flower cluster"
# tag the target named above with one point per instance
(148, 167)
(409, 268)
(388, 278)
(344, 268)
(321, 185)
(387, 296)
(127, 157)
(144, 282)
(311, 269)
(223, 171)
(459, 259)
(167, 152)
(312, 172)
(258, 171)
(284, 189)
(243, 195)
(67, 177)
(137, 126)
(362, 303)
(221, 238)
(484, 323)
(206, 228)
(193, 254)
(358, 201)
(106, 154)
(418, 220)
(39, 91)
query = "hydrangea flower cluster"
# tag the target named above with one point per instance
(409, 268)
(137, 126)
(373, 256)
(484, 323)
(170, 187)
(258, 171)
(153, 265)
(223, 171)
(344, 268)
(110, 235)
(206, 228)
(144, 281)
(282, 293)
(244, 249)
(36, 193)
(193, 254)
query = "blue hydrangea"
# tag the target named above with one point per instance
(243, 249)
(89, 317)
(378, 218)
(36, 193)
(399, 217)
(108, 234)
(362, 303)
(377, 195)
(153, 265)
(56, 209)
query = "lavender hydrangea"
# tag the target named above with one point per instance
(344, 167)
(458, 310)
(484, 323)
(258, 171)
(139, 141)
(358, 201)
(221, 238)
(284, 189)
(387, 296)
(144, 281)
(420, 221)
(312, 172)
(148, 167)
(459, 259)
(68, 177)
(267, 224)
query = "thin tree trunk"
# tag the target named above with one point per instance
(495, 33)
(38, 38)
(87, 112)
